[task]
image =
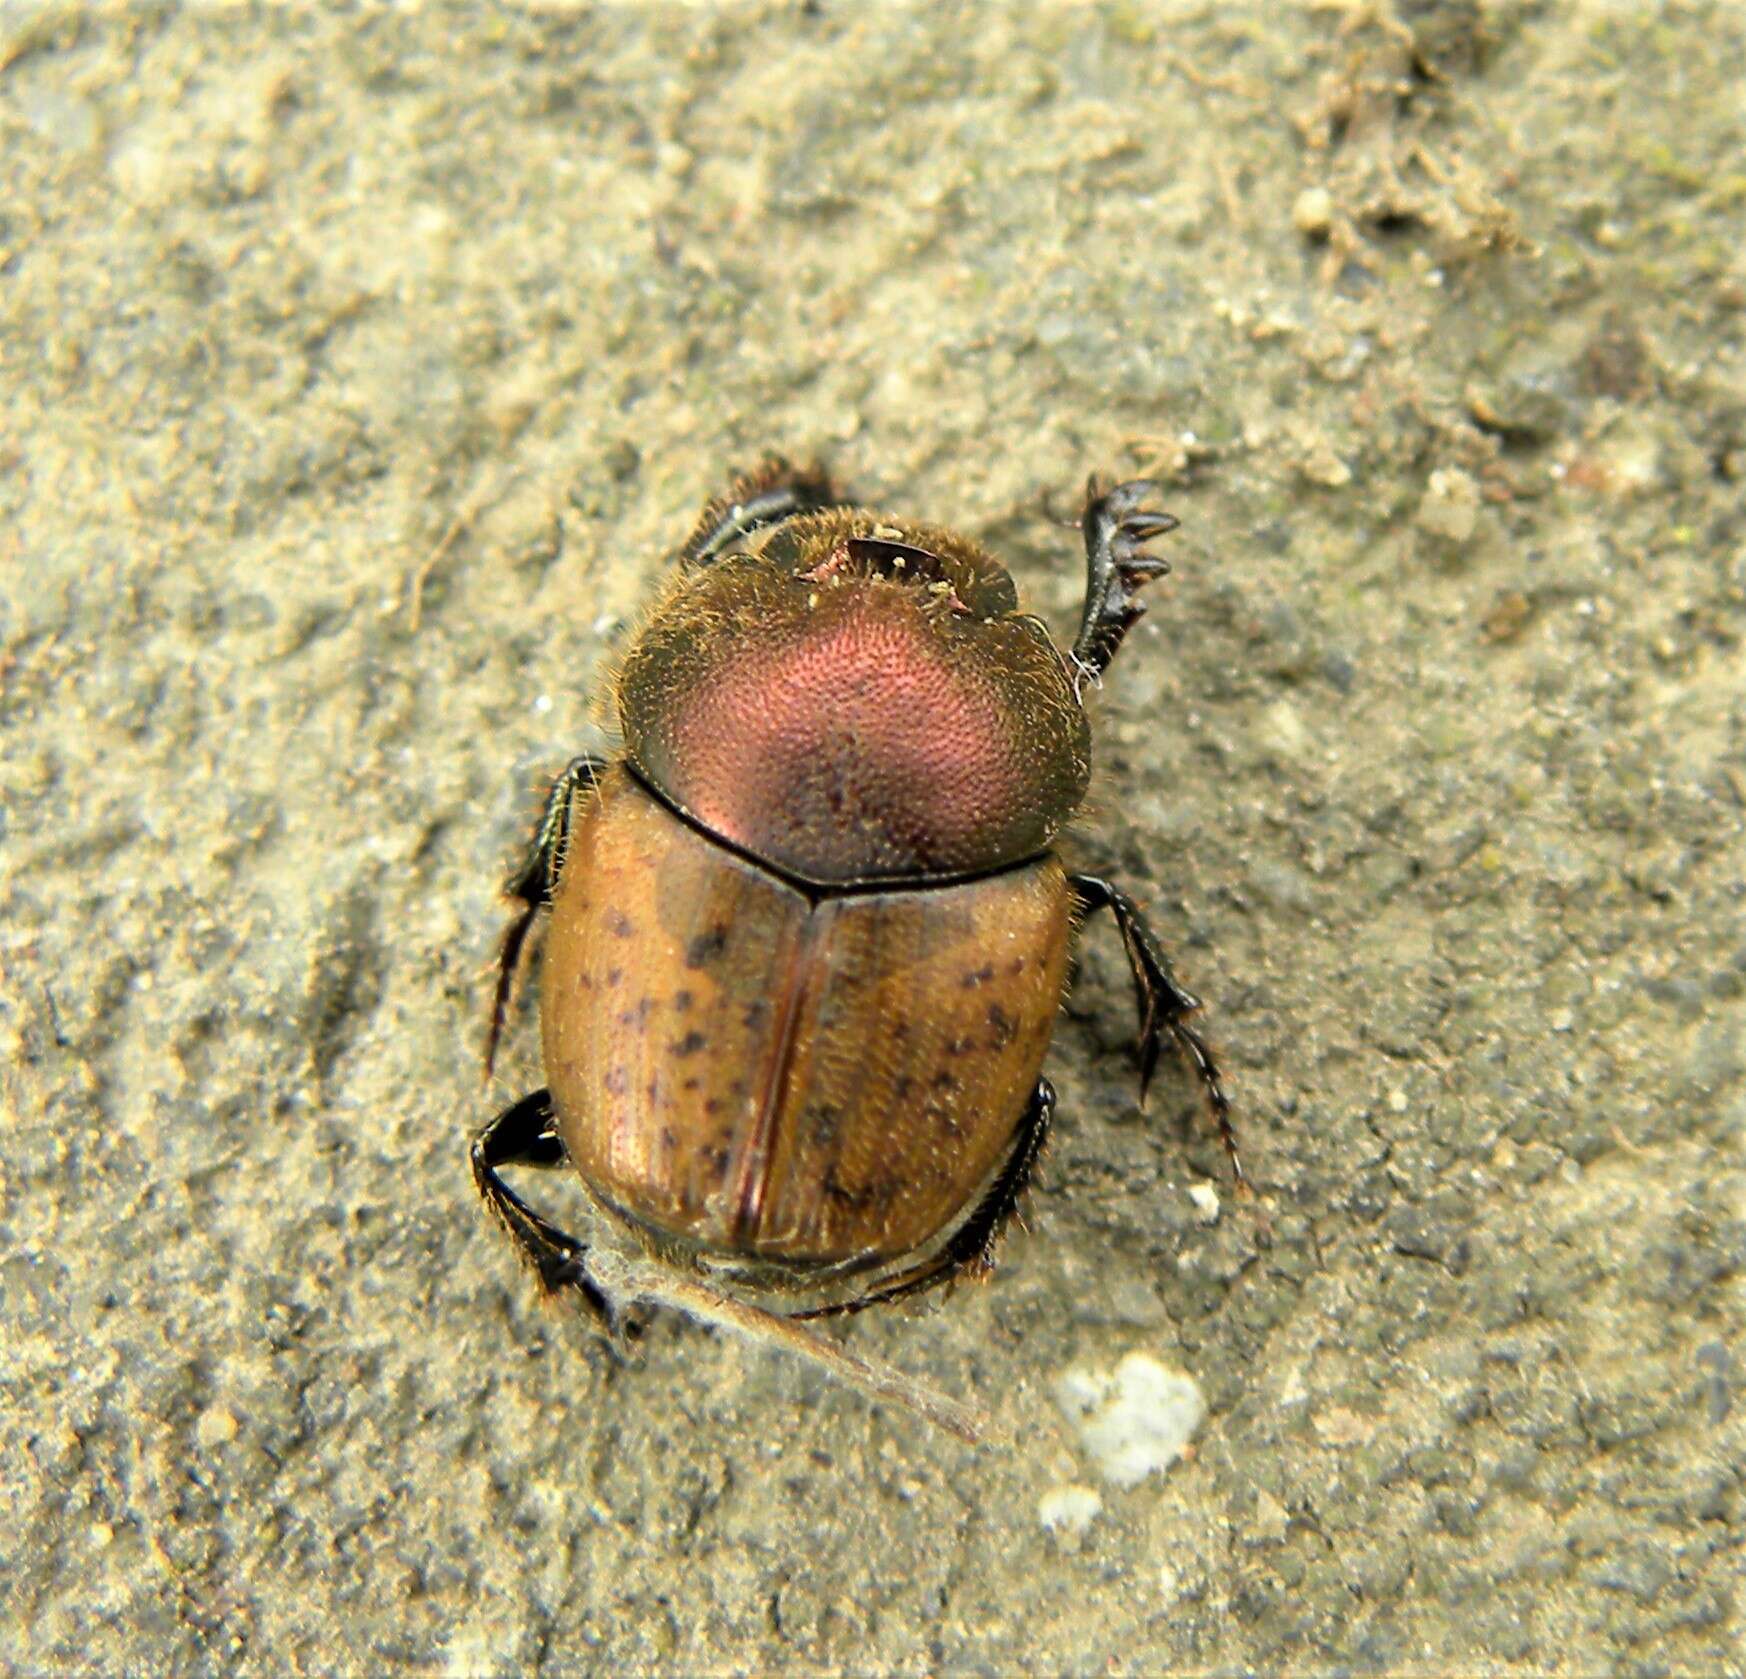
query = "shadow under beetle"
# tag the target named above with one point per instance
(808, 935)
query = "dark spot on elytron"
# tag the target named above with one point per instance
(904, 1085)
(690, 1044)
(619, 924)
(1016, 965)
(584, 980)
(854, 1199)
(824, 1125)
(691, 1083)
(980, 977)
(947, 1121)
(669, 1138)
(615, 976)
(654, 1089)
(716, 1160)
(706, 947)
(900, 1029)
(638, 1016)
(681, 1001)
(961, 1045)
(943, 1080)
(615, 1081)
(754, 1013)
(712, 1104)
(737, 1088)
(1005, 1029)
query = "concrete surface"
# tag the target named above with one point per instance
(356, 374)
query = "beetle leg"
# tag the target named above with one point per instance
(971, 1246)
(642, 1282)
(774, 491)
(531, 885)
(1115, 527)
(610, 1285)
(522, 1135)
(1163, 1003)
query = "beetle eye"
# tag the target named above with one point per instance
(900, 561)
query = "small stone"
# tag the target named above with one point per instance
(1321, 464)
(1629, 459)
(1206, 1202)
(1509, 614)
(1133, 1421)
(1282, 731)
(1069, 1509)
(1313, 213)
(1450, 508)
(215, 1428)
(1271, 1520)
(1531, 404)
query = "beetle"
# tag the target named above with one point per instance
(809, 933)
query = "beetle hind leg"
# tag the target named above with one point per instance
(533, 883)
(1116, 527)
(523, 1135)
(1164, 1005)
(610, 1287)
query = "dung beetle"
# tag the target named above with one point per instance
(809, 934)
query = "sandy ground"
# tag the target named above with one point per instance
(356, 375)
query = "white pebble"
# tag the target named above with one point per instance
(1450, 507)
(1133, 1421)
(1312, 212)
(1069, 1509)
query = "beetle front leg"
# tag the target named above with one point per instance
(1163, 1004)
(523, 1135)
(1116, 527)
(532, 884)
(774, 491)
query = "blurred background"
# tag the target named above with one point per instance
(358, 372)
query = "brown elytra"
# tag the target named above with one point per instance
(809, 933)
(757, 1071)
